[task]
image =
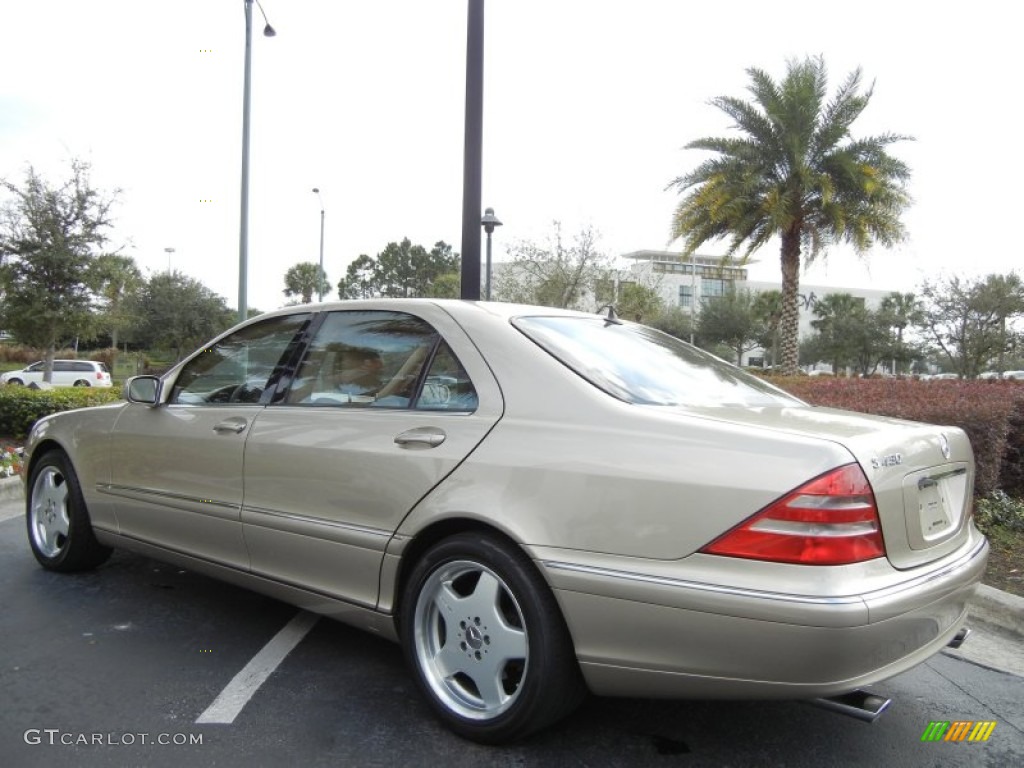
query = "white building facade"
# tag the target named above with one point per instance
(689, 282)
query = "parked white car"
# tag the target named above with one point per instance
(66, 373)
(1016, 375)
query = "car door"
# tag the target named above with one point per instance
(176, 467)
(331, 472)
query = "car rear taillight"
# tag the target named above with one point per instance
(832, 520)
(99, 376)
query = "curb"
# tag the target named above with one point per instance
(998, 610)
(11, 488)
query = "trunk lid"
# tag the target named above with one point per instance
(922, 475)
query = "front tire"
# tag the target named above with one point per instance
(59, 530)
(486, 640)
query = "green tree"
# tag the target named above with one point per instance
(898, 312)
(554, 274)
(675, 322)
(401, 270)
(447, 286)
(303, 280)
(730, 321)
(358, 282)
(49, 236)
(967, 319)
(768, 311)
(178, 313)
(796, 173)
(114, 279)
(849, 334)
(638, 302)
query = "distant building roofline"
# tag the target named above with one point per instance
(677, 257)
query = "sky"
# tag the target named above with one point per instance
(588, 105)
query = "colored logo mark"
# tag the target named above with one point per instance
(958, 730)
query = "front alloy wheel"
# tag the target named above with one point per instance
(487, 641)
(59, 530)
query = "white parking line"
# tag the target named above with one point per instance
(244, 685)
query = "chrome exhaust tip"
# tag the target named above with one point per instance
(860, 705)
(959, 638)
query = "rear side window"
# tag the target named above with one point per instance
(364, 359)
(447, 386)
(380, 359)
(645, 366)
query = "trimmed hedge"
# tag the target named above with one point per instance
(21, 407)
(990, 412)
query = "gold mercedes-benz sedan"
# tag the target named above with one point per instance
(534, 502)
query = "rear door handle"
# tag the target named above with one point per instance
(233, 424)
(426, 437)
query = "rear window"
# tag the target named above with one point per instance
(644, 366)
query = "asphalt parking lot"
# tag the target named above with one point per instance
(117, 667)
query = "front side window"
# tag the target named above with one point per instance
(640, 365)
(239, 367)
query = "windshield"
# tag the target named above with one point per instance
(645, 366)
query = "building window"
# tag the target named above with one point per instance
(685, 295)
(712, 288)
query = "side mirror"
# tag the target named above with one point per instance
(142, 389)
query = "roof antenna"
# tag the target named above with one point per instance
(611, 317)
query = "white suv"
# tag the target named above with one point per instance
(66, 373)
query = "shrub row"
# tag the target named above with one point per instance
(990, 412)
(21, 407)
(19, 353)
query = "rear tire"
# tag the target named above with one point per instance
(81, 383)
(59, 530)
(486, 640)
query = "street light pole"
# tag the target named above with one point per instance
(693, 293)
(489, 222)
(243, 233)
(472, 170)
(320, 274)
(169, 252)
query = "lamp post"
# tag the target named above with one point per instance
(320, 274)
(693, 293)
(243, 234)
(489, 222)
(169, 252)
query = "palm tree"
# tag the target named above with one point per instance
(796, 174)
(305, 279)
(898, 310)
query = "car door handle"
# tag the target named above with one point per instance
(428, 437)
(234, 424)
